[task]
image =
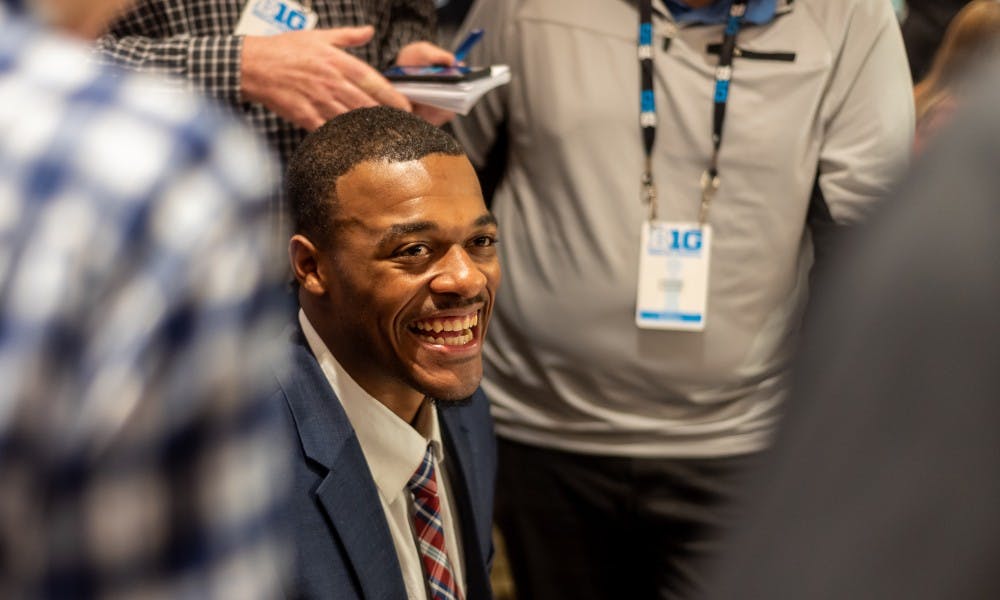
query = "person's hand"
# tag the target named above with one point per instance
(425, 53)
(418, 54)
(306, 78)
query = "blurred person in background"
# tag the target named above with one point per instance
(286, 66)
(972, 37)
(139, 457)
(771, 125)
(923, 27)
(450, 14)
(882, 481)
(900, 7)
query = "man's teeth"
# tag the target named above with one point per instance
(453, 325)
(457, 324)
(456, 340)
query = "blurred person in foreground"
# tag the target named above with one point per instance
(628, 407)
(924, 25)
(396, 264)
(972, 37)
(882, 482)
(139, 457)
(286, 67)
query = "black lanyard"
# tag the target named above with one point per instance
(647, 108)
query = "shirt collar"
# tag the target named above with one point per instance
(759, 12)
(392, 447)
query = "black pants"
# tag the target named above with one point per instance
(579, 526)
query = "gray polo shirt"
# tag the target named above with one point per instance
(567, 367)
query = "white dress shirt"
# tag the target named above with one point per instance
(394, 449)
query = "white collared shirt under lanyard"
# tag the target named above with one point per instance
(393, 450)
(674, 256)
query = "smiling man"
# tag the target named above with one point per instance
(395, 259)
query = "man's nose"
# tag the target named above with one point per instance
(458, 274)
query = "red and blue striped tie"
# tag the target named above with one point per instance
(430, 532)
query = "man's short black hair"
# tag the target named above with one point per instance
(379, 134)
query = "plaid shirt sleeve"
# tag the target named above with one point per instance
(156, 37)
(192, 40)
(411, 21)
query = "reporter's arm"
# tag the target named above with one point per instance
(142, 40)
(307, 78)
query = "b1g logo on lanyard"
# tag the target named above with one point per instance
(271, 17)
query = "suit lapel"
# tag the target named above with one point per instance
(347, 494)
(350, 499)
(465, 485)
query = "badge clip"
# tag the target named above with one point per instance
(649, 192)
(709, 185)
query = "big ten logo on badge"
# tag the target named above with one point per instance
(688, 240)
(673, 276)
(271, 17)
(281, 14)
(673, 240)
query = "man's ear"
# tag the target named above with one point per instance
(304, 258)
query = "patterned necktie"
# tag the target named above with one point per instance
(430, 532)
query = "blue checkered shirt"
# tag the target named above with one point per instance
(139, 457)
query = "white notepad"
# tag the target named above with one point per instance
(457, 97)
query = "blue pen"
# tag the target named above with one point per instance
(470, 40)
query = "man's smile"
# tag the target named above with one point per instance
(447, 330)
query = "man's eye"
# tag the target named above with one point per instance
(414, 251)
(485, 241)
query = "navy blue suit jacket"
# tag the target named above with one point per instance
(343, 548)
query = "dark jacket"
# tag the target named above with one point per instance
(343, 548)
